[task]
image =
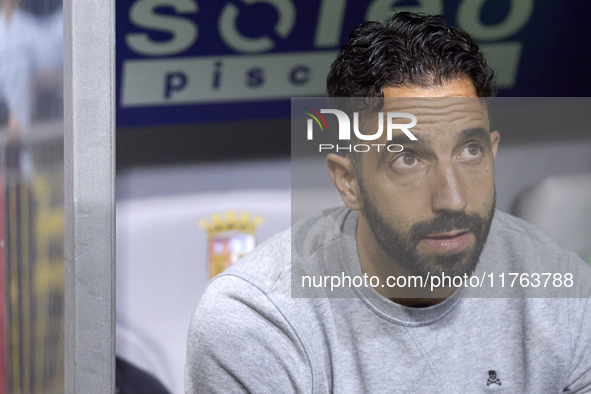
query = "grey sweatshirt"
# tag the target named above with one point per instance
(249, 332)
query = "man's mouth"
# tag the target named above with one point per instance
(452, 240)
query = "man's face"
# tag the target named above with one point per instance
(430, 206)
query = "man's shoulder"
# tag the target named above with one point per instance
(249, 306)
(522, 235)
(513, 228)
(269, 264)
(523, 246)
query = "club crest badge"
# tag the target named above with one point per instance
(229, 238)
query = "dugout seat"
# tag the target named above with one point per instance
(562, 207)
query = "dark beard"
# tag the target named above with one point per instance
(402, 247)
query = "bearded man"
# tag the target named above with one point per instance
(425, 211)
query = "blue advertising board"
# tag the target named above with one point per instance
(187, 61)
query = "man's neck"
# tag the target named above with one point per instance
(375, 262)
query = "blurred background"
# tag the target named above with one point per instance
(32, 197)
(203, 129)
(203, 151)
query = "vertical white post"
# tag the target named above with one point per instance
(89, 173)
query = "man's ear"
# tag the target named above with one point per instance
(495, 137)
(344, 178)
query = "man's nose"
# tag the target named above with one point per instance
(448, 194)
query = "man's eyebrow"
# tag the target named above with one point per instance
(402, 139)
(477, 132)
(405, 141)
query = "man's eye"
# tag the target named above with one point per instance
(409, 159)
(406, 160)
(471, 151)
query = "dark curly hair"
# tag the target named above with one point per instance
(413, 50)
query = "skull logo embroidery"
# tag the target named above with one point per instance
(493, 378)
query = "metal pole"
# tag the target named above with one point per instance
(89, 175)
